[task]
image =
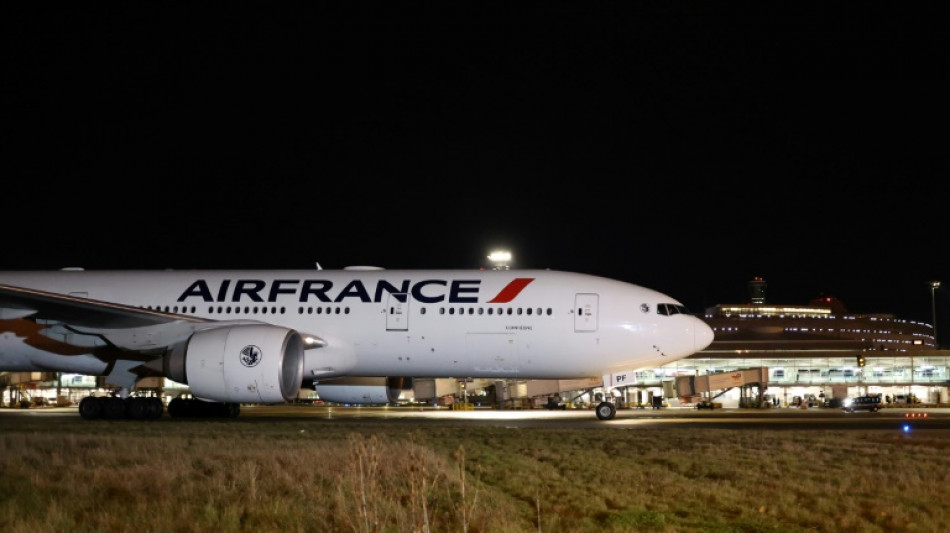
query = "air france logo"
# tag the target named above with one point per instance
(250, 356)
(428, 291)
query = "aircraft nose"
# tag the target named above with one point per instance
(703, 335)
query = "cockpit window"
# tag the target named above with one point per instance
(672, 309)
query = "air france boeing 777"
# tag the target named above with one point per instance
(259, 336)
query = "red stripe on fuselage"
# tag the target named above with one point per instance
(511, 290)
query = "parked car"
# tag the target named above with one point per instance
(906, 399)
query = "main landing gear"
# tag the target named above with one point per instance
(151, 408)
(113, 407)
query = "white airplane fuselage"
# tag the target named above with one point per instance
(525, 324)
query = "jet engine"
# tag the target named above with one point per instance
(363, 390)
(255, 363)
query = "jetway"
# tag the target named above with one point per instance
(712, 385)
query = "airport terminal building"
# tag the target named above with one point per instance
(815, 350)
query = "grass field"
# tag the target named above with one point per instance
(173, 475)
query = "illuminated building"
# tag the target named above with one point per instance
(818, 348)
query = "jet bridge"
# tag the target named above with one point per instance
(712, 385)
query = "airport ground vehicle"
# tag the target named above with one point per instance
(863, 403)
(554, 402)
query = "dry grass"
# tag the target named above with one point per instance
(351, 475)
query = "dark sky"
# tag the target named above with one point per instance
(685, 146)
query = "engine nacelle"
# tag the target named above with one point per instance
(255, 363)
(363, 390)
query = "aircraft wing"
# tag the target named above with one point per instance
(79, 321)
(17, 302)
(84, 322)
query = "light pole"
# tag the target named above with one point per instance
(934, 285)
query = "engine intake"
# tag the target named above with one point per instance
(255, 363)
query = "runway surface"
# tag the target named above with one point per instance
(747, 419)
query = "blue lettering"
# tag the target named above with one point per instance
(455, 294)
(250, 287)
(276, 288)
(398, 292)
(417, 291)
(223, 290)
(353, 288)
(200, 289)
(316, 287)
(426, 291)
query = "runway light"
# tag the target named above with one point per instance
(915, 415)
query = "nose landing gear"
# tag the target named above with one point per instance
(606, 410)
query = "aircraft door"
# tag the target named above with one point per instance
(585, 312)
(397, 312)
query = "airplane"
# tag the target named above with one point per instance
(357, 335)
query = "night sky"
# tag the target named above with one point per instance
(685, 146)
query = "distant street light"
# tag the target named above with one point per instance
(934, 285)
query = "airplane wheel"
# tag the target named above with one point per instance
(606, 411)
(177, 408)
(137, 408)
(155, 408)
(113, 408)
(90, 408)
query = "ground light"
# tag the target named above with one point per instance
(906, 427)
